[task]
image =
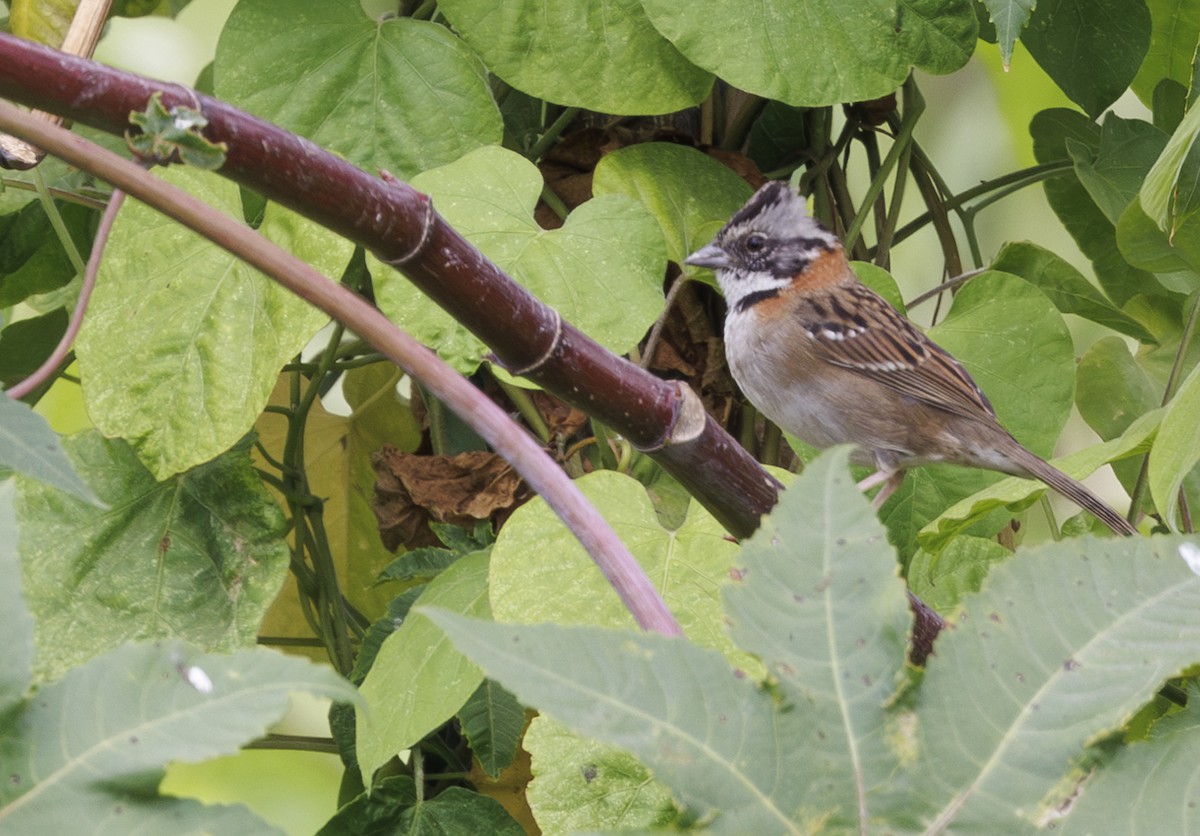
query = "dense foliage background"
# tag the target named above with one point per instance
(217, 466)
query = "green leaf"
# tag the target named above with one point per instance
(41, 21)
(16, 624)
(1095, 234)
(492, 719)
(1169, 195)
(27, 343)
(1067, 288)
(539, 571)
(419, 680)
(942, 580)
(87, 754)
(199, 556)
(880, 281)
(183, 343)
(602, 270)
(1174, 33)
(392, 807)
(32, 258)
(1177, 448)
(1092, 52)
(690, 194)
(1018, 492)
(600, 56)
(1009, 18)
(29, 446)
(818, 600)
(1160, 773)
(1064, 644)
(397, 93)
(822, 52)
(679, 708)
(1113, 172)
(1145, 245)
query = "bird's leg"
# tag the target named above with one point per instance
(887, 475)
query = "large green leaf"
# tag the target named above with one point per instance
(819, 602)
(1177, 448)
(87, 754)
(602, 270)
(1160, 773)
(199, 556)
(1169, 195)
(29, 446)
(1067, 288)
(1113, 172)
(602, 56)
(1064, 643)
(16, 625)
(183, 343)
(395, 93)
(1095, 233)
(1092, 51)
(821, 52)
(690, 194)
(1174, 33)
(419, 680)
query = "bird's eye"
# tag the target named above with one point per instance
(755, 242)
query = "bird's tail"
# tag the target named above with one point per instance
(1071, 489)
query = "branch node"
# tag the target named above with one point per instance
(426, 229)
(688, 425)
(547, 354)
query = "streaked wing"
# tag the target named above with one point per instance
(861, 331)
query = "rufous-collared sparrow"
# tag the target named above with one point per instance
(830, 361)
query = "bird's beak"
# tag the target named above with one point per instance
(712, 257)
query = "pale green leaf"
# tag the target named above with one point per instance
(29, 446)
(602, 270)
(183, 343)
(419, 680)
(1160, 193)
(1065, 642)
(199, 556)
(1113, 172)
(690, 194)
(395, 93)
(539, 573)
(822, 52)
(87, 754)
(1009, 17)
(44, 21)
(679, 708)
(818, 600)
(602, 56)
(16, 624)
(1176, 449)
(1015, 492)
(580, 785)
